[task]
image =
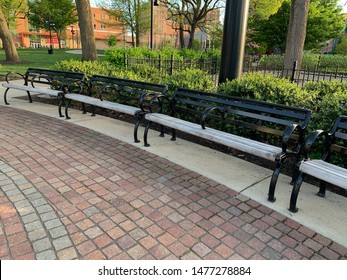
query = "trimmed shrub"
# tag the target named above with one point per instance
(192, 79)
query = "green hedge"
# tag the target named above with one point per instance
(309, 62)
(325, 99)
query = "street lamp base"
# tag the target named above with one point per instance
(50, 51)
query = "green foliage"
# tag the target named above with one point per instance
(192, 79)
(52, 14)
(341, 47)
(115, 55)
(326, 99)
(324, 22)
(88, 67)
(148, 73)
(310, 62)
(112, 41)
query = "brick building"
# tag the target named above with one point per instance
(104, 27)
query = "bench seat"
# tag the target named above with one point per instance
(46, 91)
(325, 169)
(46, 81)
(270, 131)
(121, 108)
(246, 145)
(128, 97)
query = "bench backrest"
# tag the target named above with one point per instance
(337, 143)
(241, 115)
(123, 90)
(49, 77)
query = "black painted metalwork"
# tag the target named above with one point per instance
(279, 125)
(234, 36)
(147, 97)
(58, 80)
(335, 141)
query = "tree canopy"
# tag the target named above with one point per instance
(133, 15)
(53, 15)
(324, 22)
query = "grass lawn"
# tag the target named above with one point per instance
(38, 58)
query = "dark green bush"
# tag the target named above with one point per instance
(192, 79)
(326, 99)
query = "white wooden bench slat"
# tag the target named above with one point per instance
(233, 141)
(325, 171)
(102, 103)
(47, 91)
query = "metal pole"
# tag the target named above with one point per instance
(155, 3)
(151, 32)
(50, 51)
(234, 36)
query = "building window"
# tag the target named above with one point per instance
(94, 26)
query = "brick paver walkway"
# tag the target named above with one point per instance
(71, 193)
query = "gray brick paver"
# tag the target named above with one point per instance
(42, 245)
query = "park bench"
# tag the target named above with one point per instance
(335, 147)
(45, 81)
(267, 130)
(124, 96)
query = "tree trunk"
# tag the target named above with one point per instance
(87, 30)
(7, 42)
(191, 37)
(181, 34)
(296, 33)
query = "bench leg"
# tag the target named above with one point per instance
(67, 104)
(5, 96)
(146, 134)
(322, 188)
(274, 178)
(93, 111)
(173, 133)
(30, 100)
(62, 101)
(137, 123)
(162, 134)
(295, 193)
(84, 111)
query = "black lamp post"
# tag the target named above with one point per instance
(153, 3)
(234, 35)
(50, 50)
(72, 33)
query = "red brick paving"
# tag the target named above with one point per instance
(115, 201)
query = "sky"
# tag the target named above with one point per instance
(341, 2)
(344, 4)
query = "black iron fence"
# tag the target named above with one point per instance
(212, 65)
(298, 76)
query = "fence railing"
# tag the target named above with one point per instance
(298, 76)
(212, 66)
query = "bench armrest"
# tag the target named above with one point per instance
(23, 76)
(151, 97)
(288, 132)
(104, 90)
(223, 111)
(69, 85)
(38, 77)
(312, 138)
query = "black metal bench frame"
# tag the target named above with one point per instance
(335, 141)
(132, 97)
(59, 82)
(258, 116)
